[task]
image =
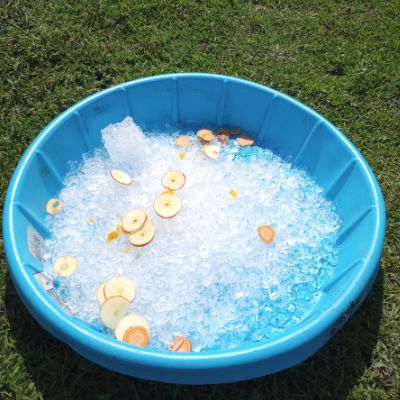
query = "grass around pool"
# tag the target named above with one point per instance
(341, 58)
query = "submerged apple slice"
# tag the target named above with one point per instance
(266, 233)
(181, 344)
(129, 321)
(112, 310)
(100, 293)
(65, 265)
(54, 206)
(137, 336)
(167, 205)
(182, 141)
(120, 176)
(211, 151)
(205, 135)
(173, 180)
(245, 141)
(134, 220)
(120, 286)
(144, 235)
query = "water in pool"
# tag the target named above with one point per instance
(207, 275)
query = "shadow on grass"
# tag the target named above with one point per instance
(60, 373)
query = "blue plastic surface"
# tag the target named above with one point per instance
(276, 121)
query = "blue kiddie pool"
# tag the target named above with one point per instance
(276, 121)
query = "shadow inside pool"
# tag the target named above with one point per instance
(60, 373)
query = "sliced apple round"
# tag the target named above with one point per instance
(134, 220)
(120, 286)
(266, 233)
(173, 180)
(54, 206)
(206, 135)
(211, 151)
(65, 265)
(100, 293)
(120, 176)
(112, 310)
(137, 336)
(143, 236)
(181, 344)
(167, 205)
(182, 141)
(245, 141)
(129, 321)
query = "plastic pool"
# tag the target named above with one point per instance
(276, 121)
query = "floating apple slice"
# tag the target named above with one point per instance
(120, 176)
(173, 180)
(129, 321)
(211, 151)
(182, 141)
(182, 155)
(143, 236)
(112, 310)
(137, 336)
(100, 294)
(266, 233)
(120, 286)
(181, 344)
(245, 141)
(167, 205)
(65, 265)
(134, 220)
(205, 135)
(54, 206)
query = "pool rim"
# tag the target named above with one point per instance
(80, 336)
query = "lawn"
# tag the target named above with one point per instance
(341, 58)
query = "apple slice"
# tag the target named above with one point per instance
(54, 206)
(120, 176)
(266, 233)
(181, 344)
(205, 135)
(112, 310)
(245, 141)
(223, 138)
(137, 336)
(120, 286)
(173, 180)
(100, 293)
(143, 236)
(134, 220)
(129, 321)
(167, 205)
(65, 265)
(182, 141)
(211, 151)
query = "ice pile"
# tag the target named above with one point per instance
(206, 275)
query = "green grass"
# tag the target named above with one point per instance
(341, 58)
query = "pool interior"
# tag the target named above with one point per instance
(315, 148)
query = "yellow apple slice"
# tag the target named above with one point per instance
(167, 205)
(120, 176)
(173, 180)
(134, 220)
(65, 265)
(211, 151)
(182, 141)
(137, 336)
(120, 286)
(245, 141)
(129, 321)
(112, 310)
(54, 206)
(100, 294)
(143, 236)
(205, 135)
